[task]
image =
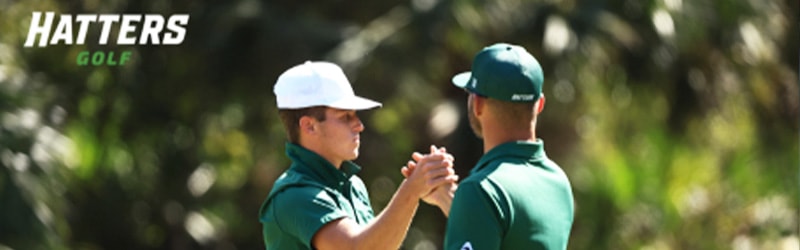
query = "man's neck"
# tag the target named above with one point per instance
(496, 135)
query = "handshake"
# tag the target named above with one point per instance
(432, 177)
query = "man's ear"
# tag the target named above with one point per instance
(307, 125)
(540, 104)
(479, 103)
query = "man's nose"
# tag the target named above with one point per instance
(359, 126)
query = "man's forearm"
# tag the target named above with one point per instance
(442, 197)
(389, 229)
(445, 206)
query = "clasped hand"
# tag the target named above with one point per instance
(434, 175)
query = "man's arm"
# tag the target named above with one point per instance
(442, 197)
(389, 228)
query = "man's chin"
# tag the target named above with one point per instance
(354, 155)
(476, 129)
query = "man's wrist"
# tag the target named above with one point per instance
(408, 191)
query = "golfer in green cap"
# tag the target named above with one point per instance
(515, 197)
(319, 202)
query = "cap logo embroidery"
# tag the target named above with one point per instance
(522, 97)
(467, 246)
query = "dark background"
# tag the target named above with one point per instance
(676, 121)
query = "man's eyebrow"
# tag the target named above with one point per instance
(343, 110)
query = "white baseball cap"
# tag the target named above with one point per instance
(318, 84)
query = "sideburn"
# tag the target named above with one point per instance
(473, 121)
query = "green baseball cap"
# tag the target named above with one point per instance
(504, 72)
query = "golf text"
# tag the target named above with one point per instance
(132, 29)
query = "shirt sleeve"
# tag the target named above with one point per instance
(475, 222)
(302, 211)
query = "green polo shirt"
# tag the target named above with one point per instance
(311, 193)
(514, 198)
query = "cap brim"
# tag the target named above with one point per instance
(461, 80)
(355, 103)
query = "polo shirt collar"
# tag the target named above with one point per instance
(530, 151)
(312, 163)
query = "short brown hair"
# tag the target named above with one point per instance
(291, 119)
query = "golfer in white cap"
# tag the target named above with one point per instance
(319, 202)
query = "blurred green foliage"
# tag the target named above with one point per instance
(676, 121)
